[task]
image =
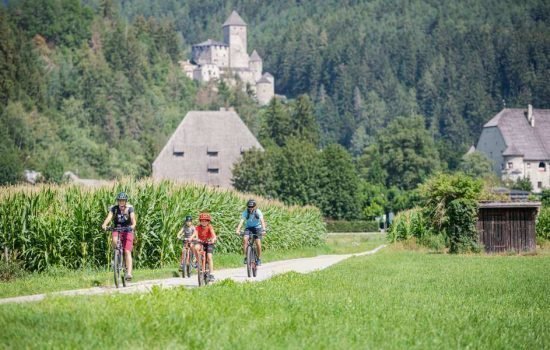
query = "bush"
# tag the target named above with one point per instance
(408, 224)
(543, 224)
(10, 270)
(352, 226)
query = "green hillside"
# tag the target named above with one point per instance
(95, 87)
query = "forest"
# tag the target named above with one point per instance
(392, 90)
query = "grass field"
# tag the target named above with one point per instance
(393, 299)
(62, 279)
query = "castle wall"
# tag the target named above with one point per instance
(265, 92)
(236, 38)
(256, 68)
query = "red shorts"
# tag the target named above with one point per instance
(127, 239)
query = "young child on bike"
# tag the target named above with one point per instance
(255, 225)
(185, 235)
(205, 239)
(124, 217)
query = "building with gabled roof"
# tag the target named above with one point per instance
(204, 148)
(517, 141)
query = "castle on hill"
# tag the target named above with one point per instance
(213, 60)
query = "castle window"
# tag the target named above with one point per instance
(510, 165)
(528, 165)
(539, 184)
(212, 153)
(213, 170)
(542, 166)
(178, 154)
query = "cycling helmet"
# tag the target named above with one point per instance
(251, 203)
(204, 217)
(188, 218)
(122, 196)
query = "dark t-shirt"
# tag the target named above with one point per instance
(122, 219)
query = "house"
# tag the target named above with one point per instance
(517, 141)
(204, 148)
(227, 59)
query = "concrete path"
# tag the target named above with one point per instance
(267, 270)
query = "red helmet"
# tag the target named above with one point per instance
(204, 217)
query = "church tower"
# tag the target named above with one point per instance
(234, 35)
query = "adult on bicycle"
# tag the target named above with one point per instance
(186, 233)
(255, 225)
(124, 217)
(205, 238)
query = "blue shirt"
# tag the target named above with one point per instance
(252, 220)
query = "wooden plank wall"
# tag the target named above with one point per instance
(507, 229)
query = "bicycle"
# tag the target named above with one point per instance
(187, 259)
(251, 255)
(119, 262)
(203, 268)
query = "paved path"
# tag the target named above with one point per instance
(267, 270)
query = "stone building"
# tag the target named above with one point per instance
(214, 60)
(517, 141)
(204, 148)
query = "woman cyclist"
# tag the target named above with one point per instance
(255, 225)
(205, 239)
(124, 217)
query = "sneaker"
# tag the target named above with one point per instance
(258, 262)
(244, 261)
(211, 278)
(128, 278)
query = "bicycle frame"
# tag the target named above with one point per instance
(203, 269)
(187, 255)
(119, 260)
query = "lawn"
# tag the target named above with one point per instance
(59, 279)
(393, 299)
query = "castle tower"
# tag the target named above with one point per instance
(256, 65)
(234, 35)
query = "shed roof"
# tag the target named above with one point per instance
(509, 204)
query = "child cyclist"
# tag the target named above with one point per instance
(185, 235)
(205, 239)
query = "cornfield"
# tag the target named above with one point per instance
(60, 225)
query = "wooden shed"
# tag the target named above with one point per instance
(507, 226)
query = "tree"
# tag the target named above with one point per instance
(11, 167)
(277, 124)
(476, 165)
(406, 152)
(303, 124)
(339, 184)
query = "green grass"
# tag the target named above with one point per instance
(63, 279)
(393, 299)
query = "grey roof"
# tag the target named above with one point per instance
(211, 42)
(267, 75)
(520, 137)
(234, 20)
(264, 80)
(208, 144)
(255, 56)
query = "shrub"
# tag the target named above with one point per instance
(10, 270)
(543, 224)
(352, 226)
(407, 224)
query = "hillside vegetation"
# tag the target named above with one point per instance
(94, 86)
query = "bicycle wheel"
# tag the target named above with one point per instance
(116, 267)
(249, 257)
(200, 272)
(184, 264)
(123, 269)
(189, 264)
(253, 262)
